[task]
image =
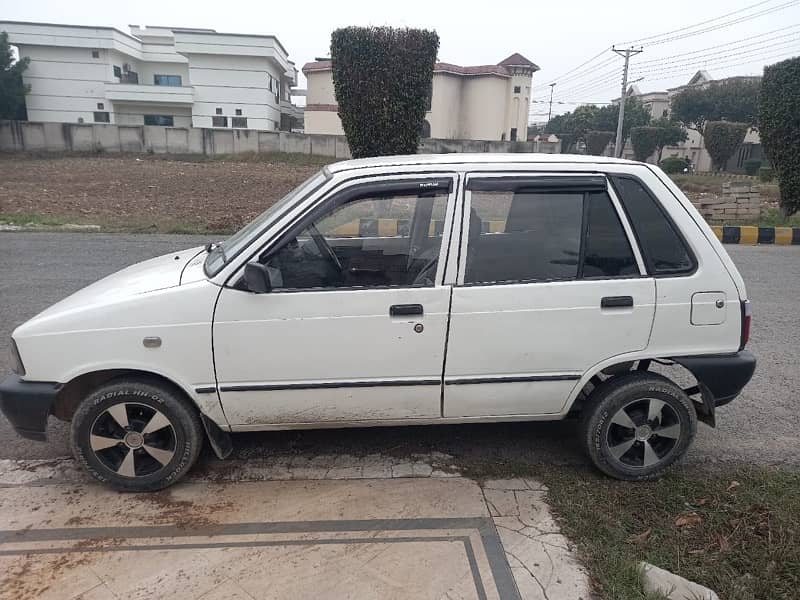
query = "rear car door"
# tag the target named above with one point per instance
(550, 283)
(354, 327)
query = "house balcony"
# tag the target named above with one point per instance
(156, 94)
(287, 108)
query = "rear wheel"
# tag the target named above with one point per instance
(637, 425)
(136, 436)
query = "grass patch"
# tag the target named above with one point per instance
(34, 221)
(743, 540)
(772, 217)
(283, 158)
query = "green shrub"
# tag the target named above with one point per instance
(596, 141)
(766, 174)
(722, 139)
(752, 166)
(779, 127)
(644, 141)
(382, 78)
(675, 164)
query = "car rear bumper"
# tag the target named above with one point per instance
(27, 404)
(722, 375)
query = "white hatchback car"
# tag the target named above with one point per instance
(404, 290)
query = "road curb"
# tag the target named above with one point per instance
(749, 235)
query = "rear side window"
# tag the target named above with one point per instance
(532, 235)
(665, 253)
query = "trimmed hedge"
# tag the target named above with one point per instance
(383, 78)
(674, 164)
(752, 166)
(779, 127)
(722, 139)
(596, 141)
(645, 141)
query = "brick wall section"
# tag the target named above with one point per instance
(739, 203)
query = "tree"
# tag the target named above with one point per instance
(636, 115)
(733, 100)
(382, 78)
(644, 141)
(12, 89)
(779, 127)
(722, 140)
(596, 141)
(670, 133)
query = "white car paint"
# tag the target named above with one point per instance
(297, 346)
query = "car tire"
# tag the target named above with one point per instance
(634, 426)
(136, 436)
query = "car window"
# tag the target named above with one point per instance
(529, 235)
(523, 236)
(370, 241)
(608, 252)
(663, 250)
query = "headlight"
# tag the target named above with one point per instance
(16, 360)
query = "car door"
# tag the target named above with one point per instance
(354, 326)
(549, 284)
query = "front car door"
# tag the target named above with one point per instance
(550, 283)
(354, 327)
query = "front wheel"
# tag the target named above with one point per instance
(637, 425)
(136, 436)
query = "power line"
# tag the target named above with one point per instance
(724, 25)
(704, 61)
(596, 56)
(646, 40)
(733, 43)
(735, 64)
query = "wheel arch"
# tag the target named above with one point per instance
(79, 387)
(623, 364)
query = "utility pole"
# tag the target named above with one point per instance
(623, 96)
(550, 112)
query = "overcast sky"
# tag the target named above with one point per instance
(557, 36)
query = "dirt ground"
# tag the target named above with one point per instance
(146, 193)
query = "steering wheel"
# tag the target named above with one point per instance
(324, 247)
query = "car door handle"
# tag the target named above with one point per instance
(616, 302)
(404, 310)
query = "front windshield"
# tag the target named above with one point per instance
(220, 254)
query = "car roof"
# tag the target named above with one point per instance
(466, 158)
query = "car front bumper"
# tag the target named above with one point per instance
(27, 404)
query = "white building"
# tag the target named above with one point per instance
(488, 102)
(154, 76)
(694, 147)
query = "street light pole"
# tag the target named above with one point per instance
(623, 95)
(550, 112)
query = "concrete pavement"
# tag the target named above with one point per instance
(316, 533)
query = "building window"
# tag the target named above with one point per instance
(100, 106)
(238, 112)
(269, 82)
(517, 89)
(102, 117)
(240, 122)
(219, 121)
(117, 72)
(95, 53)
(513, 134)
(219, 111)
(163, 120)
(169, 80)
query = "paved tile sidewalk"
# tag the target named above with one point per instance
(410, 530)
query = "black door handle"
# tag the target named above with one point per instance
(617, 302)
(404, 310)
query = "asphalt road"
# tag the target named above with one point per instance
(761, 426)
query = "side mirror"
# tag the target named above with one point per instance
(256, 277)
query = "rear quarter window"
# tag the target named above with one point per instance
(663, 248)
